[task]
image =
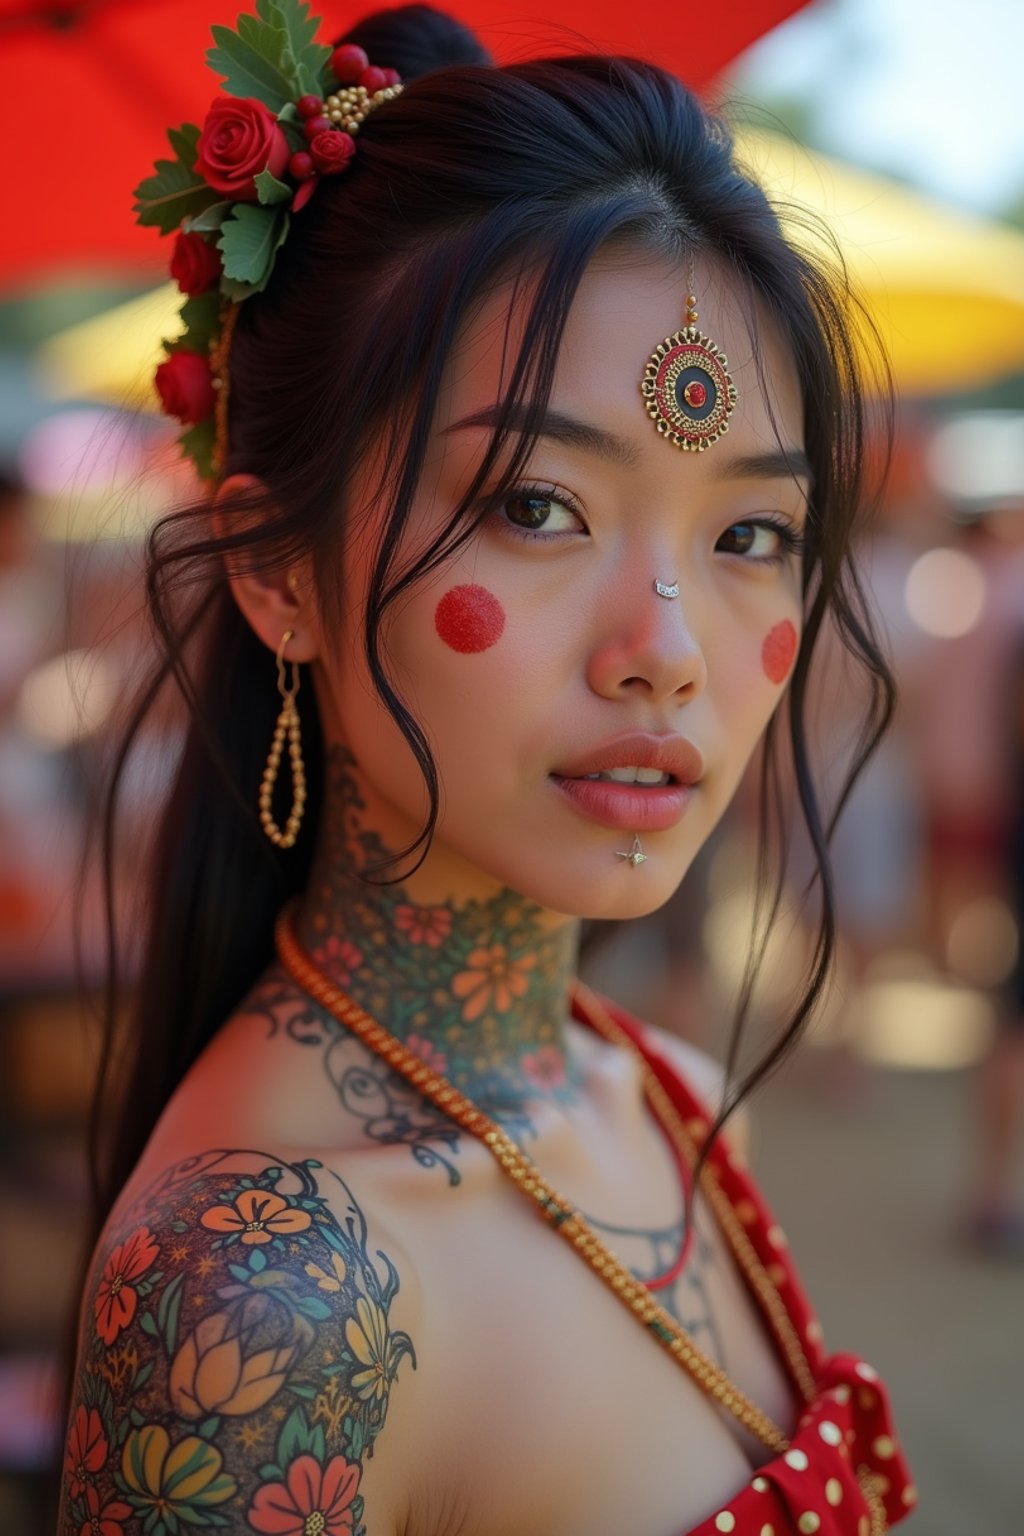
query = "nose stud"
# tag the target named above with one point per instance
(667, 588)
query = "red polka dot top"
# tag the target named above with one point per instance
(843, 1473)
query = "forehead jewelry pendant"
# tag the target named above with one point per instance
(668, 589)
(635, 855)
(686, 386)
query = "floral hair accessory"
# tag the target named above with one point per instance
(288, 117)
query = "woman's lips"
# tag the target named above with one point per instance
(626, 807)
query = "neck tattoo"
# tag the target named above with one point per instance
(478, 989)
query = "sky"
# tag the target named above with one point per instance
(928, 89)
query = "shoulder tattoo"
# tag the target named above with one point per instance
(236, 1357)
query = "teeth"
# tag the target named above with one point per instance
(631, 776)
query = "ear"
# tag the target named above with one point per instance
(272, 601)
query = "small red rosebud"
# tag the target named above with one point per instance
(372, 79)
(195, 264)
(391, 77)
(301, 166)
(348, 63)
(332, 152)
(309, 106)
(184, 383)
(314, 125)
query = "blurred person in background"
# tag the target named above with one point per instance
(29, 609)
(996, 1219)
(956, 706)
(468, 471)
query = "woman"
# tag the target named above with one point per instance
(548, 547)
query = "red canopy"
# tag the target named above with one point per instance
(90, 87)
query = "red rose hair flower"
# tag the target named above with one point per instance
(195, 264)
(184, 383)
(239, 139)
(332, 151)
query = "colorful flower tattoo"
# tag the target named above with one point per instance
(477, 991)
(236, 1361)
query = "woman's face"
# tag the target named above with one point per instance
(542, 653)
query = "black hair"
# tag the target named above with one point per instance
(474, 173)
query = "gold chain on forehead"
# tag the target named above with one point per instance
(686, 385)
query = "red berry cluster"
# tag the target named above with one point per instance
(328, 155)
(350, 66)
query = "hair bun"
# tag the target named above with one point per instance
(414, 39)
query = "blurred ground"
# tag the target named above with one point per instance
(868, 1192)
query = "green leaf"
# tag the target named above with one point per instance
(295, 1437)
(209, 1427)
(249, 241)
(203, 224)
(142, 1375)
(201, 318)
(312, 1307)
(304, 55)
(147, 1325)
(257, 1260)
(236, 292)
(170, 1301)
(172, 194)
(271, 191)
(251, 62)
(185, 143)
(198, 443)
(269, 1470)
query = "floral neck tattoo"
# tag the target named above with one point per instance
(477, 989)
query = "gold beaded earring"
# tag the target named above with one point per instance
(287, 721)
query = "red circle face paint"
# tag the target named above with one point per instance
(778, 651)
(469, 619)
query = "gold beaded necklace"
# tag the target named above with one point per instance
(563, 1217)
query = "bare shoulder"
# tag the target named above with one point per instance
(247, 1328)
(279, 1071)
(704, 1074)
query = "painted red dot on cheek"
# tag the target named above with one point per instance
(778, 651)
(469, 619)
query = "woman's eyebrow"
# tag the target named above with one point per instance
(777, 464)
(560, 428)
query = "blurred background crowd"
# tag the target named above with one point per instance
(891, 1146)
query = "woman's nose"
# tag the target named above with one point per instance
(647, 646)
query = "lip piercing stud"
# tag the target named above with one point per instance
(667, 588)
(635, 855)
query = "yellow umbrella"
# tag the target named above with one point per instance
(945, 289)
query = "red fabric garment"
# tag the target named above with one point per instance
(844, 1448)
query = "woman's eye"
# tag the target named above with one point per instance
(761, 539)
(540, 512)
